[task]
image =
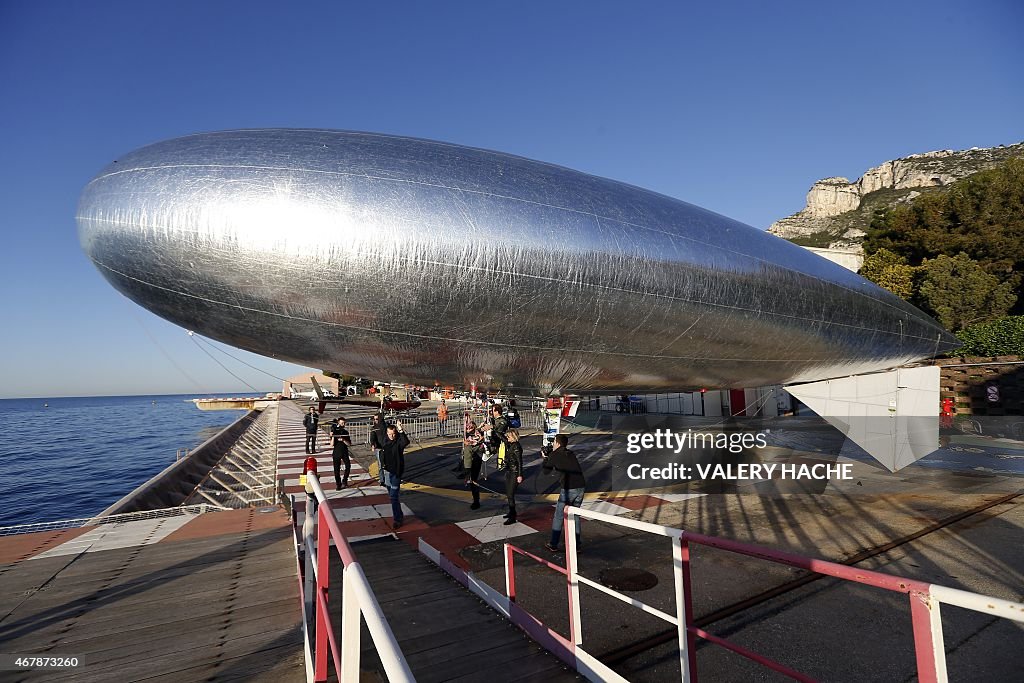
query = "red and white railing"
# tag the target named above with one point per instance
(357, 602)
(925, 599)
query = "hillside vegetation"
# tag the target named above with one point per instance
(957, 252)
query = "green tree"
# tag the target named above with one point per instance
(958, 291)
(1003, 337)
(890, 271)
(981, 216)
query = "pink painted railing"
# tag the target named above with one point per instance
(357, 602)
(924, 599)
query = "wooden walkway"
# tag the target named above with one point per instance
(217, 600)
(445, 632)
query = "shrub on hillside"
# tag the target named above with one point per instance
(1003, 337)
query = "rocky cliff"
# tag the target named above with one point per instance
(838, 211)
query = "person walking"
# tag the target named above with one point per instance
(342, 441)
(393, 466)
(564, 462)
(442, 418)
(513, 472)
(312, 423)
(378, 437)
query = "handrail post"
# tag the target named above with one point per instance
(308, 528)
(510, 573)
(684, 609)
(928, 646)
(350, 628)
(323, 559)
(575, 627)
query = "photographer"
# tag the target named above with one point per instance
(392, 462)
(499, 427)
(563, 461)
(472, 447)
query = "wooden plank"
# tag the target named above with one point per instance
(209, 606)
(474, 641)
(445, 631)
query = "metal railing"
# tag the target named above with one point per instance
(119, 518)
(925, 599)
(357, 601)
(427, 427)
(245, 475)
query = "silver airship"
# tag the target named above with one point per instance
(423, 262)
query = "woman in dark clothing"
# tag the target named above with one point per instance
(513, 465)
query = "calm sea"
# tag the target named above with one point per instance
(64, 458)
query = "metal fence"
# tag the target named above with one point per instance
(925, 600)
(425, 427)
(109, 519)
(245, 475)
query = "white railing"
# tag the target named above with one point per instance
(925, 599)
(358, 601)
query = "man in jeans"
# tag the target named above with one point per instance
(564, 461)
(392, 458)
(311, 422)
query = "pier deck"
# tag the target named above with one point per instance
(446, 633)
(215, 599)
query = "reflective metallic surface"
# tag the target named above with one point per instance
(409, 260)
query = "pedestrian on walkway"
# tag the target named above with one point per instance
(513, 465)
(498, 429)
(342, 441)
(393, 466)
(312, 423)
(378, 431)
(472, 452)
(442, 418)
(564, 462)
(378, 437)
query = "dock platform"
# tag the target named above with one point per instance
(209, 597)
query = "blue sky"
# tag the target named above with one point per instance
(737, 107)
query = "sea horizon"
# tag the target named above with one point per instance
(196, 394)
(70, 457)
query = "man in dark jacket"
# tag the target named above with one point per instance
(342, 441)
(392, 462)
(378, 431)
(564, 462)
(499, 425)
(311, 422)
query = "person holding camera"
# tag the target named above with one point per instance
(499, 427)
(472, 450)
(563, 461)
(392, 463)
